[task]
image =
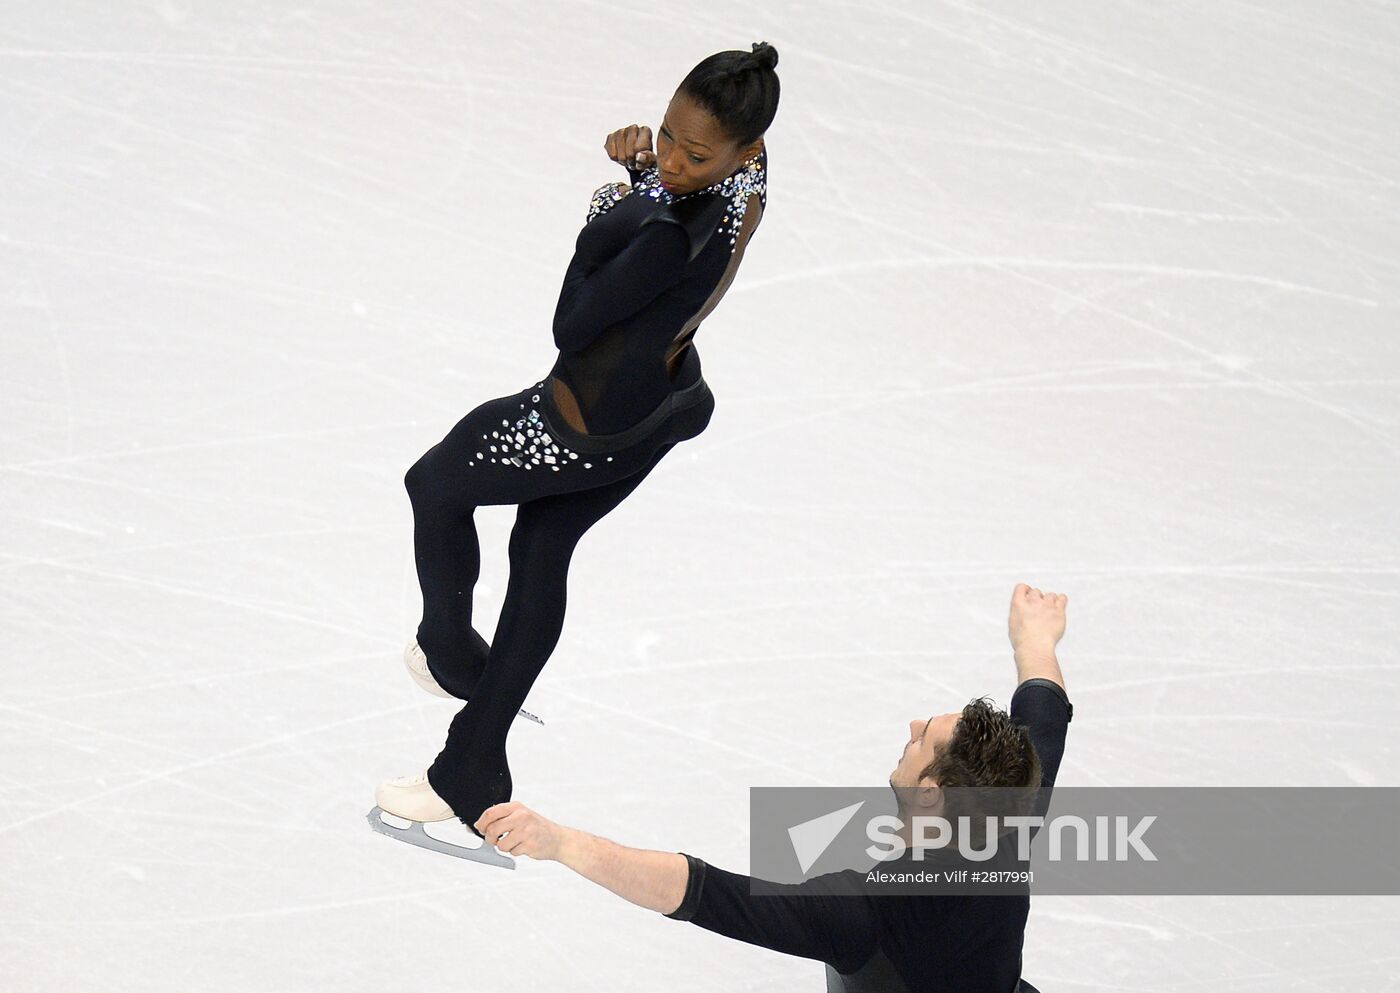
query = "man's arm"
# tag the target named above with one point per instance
(1036, 624)
(654, 880)
(827, 918)
(820, 919)
(1040, 702)
(650, 879)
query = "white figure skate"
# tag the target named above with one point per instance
(406, 807)
(417, 665)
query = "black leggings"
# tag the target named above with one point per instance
(563, 492)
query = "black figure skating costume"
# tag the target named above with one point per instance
(647, 268)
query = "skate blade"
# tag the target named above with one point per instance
(414, 834)
(526, 713)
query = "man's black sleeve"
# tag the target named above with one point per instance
(825, 918)
(1043, 706)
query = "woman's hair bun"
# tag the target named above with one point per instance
(764, 55)
(739, 88)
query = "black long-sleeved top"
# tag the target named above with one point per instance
(645, 265)
(892, 944)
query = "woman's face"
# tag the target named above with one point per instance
(693, 151)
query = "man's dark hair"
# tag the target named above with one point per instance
(740, 89)
(987, 748)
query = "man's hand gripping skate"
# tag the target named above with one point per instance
(515, 829)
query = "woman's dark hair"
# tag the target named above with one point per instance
(739, 88)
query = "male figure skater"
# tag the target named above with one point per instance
(892, 944)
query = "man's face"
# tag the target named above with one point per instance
(926, 739)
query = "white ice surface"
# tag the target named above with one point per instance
(1101, 296)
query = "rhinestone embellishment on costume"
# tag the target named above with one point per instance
(605, 198)
(738, 187)
(527, 443)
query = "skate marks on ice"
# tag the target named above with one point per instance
(415, 833)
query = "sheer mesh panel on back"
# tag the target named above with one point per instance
(682, 341)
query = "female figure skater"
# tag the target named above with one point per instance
(651, 262)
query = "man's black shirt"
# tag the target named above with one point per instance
(895, 944)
